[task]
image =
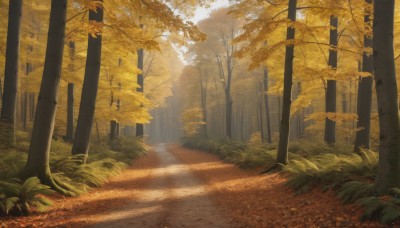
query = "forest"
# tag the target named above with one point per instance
(199, 113)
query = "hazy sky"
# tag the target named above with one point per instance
(202, 13)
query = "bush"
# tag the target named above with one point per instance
(330, 171)
(18, 198)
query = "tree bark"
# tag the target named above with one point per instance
(330, 125)
(113, 130)
(70, 113)
(364, 99)
(266, 100)
(38, 156)
(69, 137)
(282, 155)
(203, 93)
(89, 89)
(9, 102)
(140, 89)
(388, 175)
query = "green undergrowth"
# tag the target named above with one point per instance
(315, 165)
(104, 161)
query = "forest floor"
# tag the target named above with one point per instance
(178, 187)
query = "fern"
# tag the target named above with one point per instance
(354, 190)
(20, 197)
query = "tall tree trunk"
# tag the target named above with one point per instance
(364, 99)
(1, 90)
(70, 113)
(140, 89)
(388, 175)
(203, 93)
(38, 156)
(9, 102)
(228, 96)
(282, 155)
(89, 89)
(266, 100)
(113, 130)
(69, 137)
(330, 125)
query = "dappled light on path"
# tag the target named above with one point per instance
(173, 198)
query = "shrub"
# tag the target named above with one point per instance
(330, 171)
(17, 197)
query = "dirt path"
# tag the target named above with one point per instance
(174, 198)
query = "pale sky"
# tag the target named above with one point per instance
(202, 13)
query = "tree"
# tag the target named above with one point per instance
(70, 105)
(221, 29)
(90, 84)
(330, 102)
(266, 101)
(282, 155)
(38, 156)
(140, 89)
(9, 97)
(364, 98)
(388, 175)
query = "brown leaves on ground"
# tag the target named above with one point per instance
(253, 200)
(243, 196)
(84, 210)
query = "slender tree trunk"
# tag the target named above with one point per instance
(89, 90)
(282, 155)
(140, 89)
(229, 102)
(9, 102)
(364, 99)
(1, 90)
(266, 100)
(32, 106)
(70, 113)
(38, 156)
(203, 93)
(69, 137)
(98, 132)
(279, 112)
(330, 125)
(113, 130)
(386, 90)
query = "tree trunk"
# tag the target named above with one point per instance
(282, 155)
(388, 175)
(203, 93)
(38, 157)
(330, 125)
(113, 130)
(266, 100)
(1, 90)
(70, 114)
(89, 89)
(69, 137)
(9, 102)
(364, 99)
(140, 89)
